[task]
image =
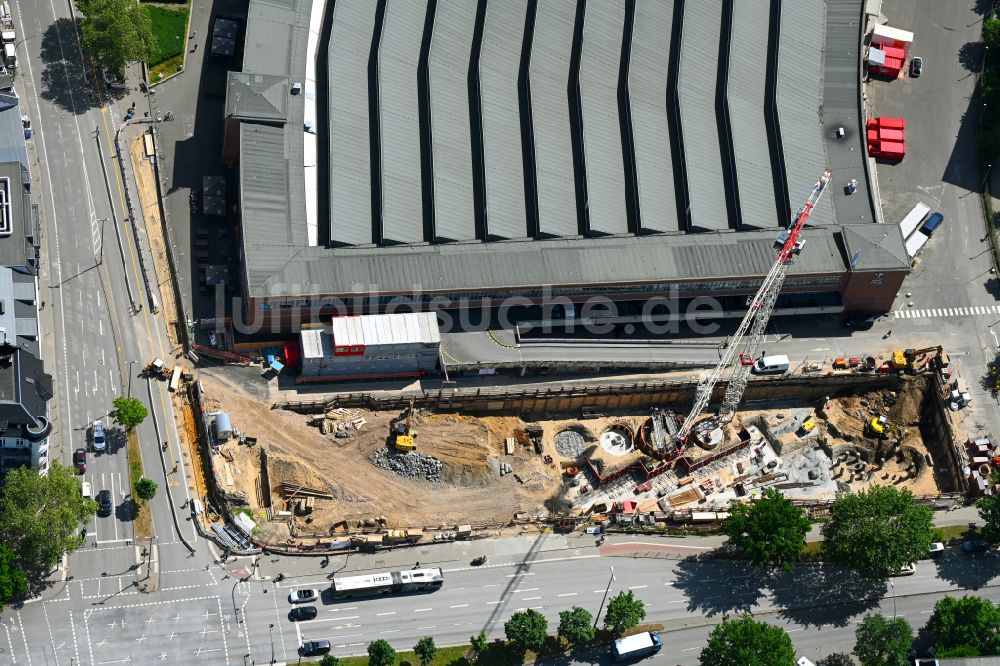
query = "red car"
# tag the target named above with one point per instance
(80, 460)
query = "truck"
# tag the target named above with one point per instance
(636, 647)
(8, 36)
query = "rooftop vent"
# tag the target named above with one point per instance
(296, 88)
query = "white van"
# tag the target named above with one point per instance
(771, 365)
(85, 489)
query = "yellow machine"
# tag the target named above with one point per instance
(808, 425)
(404, 436)
(906, 359)
(880, 428)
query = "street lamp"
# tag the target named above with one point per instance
(100, 259)
(987, 176)
(608, 589)
(270, 628)
(892, 586)
(129, 369)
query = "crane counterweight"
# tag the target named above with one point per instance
(742, 348)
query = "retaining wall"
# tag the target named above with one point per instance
(571, 400)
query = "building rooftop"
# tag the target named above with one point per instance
(450, 129)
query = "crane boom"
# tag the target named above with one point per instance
(742, 349)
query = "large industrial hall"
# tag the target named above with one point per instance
(445, 153)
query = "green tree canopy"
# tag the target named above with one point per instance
(837, 659)
(968, 627)
(527, 630)
(989, 511)
(748, 643)
(128, 412)
(145, 489)
(883, 642)
(576, 625)
(478, 642)
(425, 650)
(877, 531)
(329, 660)
(116, 32)
(991, 31)
(771, 531)
(624, 612)
(13, 582)
(380, 653)
(40, 516)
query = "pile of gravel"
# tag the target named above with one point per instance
(410, 465)
(570, 444)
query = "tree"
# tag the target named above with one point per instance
(128, 412)
(145, 489)
(42, 516)
(837, 659)
(577, 626)
(425, 650)
(771, 531)
(624, 612)
(883, 642)
(380, 653)
(989, 511)
(991, 32)
(748, 643)
(527, 630)
(877, 531)
(13, 582)
(969, 627)
(116, 32)
(478, 643)
(329, 660)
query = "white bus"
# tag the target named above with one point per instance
(388, 582)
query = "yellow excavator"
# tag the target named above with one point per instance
(404, 435)
(880, 428)
(907, 359)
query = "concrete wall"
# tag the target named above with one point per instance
(609, 398)
(939, 437)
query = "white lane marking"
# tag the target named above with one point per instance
(493, 603)
(638, 587)
(461, 606)
(423, 610)
(383, 614)
(527, 589)
(433, 626)
(531, 599)
(568, 594)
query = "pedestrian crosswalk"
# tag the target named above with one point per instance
(971, 311)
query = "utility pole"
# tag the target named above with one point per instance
(100, 259)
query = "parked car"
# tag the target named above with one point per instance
(479, 561)
(906, 570)
(80, 460)
(300, 613)
(104, 504)
(314, 648)
(936, 549)
(97, 435)
(975, 546)
(916, 66)
(303, 596)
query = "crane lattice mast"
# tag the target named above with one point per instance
(742, 348)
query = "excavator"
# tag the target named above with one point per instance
(907, 359)
(403, 433)
(880, 428)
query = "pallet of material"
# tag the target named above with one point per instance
(295, 489)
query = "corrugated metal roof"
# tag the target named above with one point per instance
(386, 329)
(448, 67)
(873, 247)
(603, 31)
(747, 80)
(841, 68)
(697, 85)
(551, 49)
(625, 260)
(499, 65)
(399, 116)
(800, 85)
(351, 35)
(316, 343)
(647, 79)
(270, 39)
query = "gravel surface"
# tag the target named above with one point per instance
(409, 465)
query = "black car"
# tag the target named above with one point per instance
(104, 504)
(916, 66)
(314, 648)
(975, 546)
(303, 613)
(479, 561)
(860, 323)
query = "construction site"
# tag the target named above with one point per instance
(392, 468)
